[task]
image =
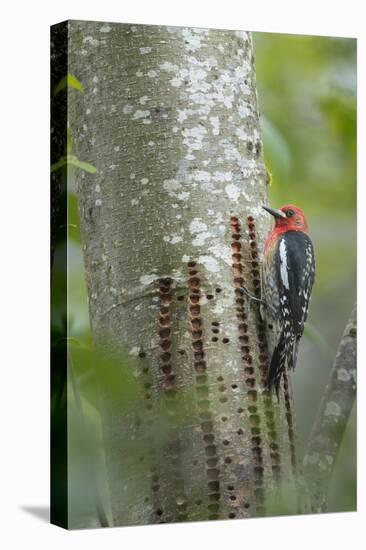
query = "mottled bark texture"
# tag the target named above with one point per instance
(172, 226)
(330, 424)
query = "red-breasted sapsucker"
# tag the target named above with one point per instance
(288, 272)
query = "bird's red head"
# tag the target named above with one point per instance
(288, 218)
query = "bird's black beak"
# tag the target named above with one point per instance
(274, 212)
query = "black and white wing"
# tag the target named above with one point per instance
(296, 278)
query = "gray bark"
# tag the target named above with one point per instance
(172, 226)
(331, 421)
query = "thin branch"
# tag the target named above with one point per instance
(330, 424)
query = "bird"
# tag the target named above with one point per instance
(287, 278)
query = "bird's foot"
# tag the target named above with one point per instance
(251, 296)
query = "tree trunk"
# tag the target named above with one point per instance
(172, 227)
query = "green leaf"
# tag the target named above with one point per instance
(73, 161)
(68, 81)
(83, 165)
(109, 373)
(59, 164)
(73, 219)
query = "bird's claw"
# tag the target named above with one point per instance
(251, 296)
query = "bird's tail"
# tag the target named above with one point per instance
(278, 365)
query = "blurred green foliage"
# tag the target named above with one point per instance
(92, 375)
(106, 379)
(307, 98)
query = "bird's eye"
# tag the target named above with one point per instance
(289, 213)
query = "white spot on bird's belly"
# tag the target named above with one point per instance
(283, 263)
